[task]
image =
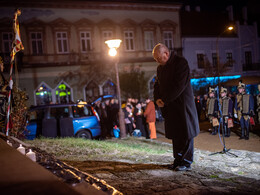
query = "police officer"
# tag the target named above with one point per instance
(244, 109)
(212, 109)
(226, 109)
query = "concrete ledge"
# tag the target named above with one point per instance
(20, 175)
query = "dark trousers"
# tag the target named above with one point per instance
(182, 151)
(129, 128)
(244, 127)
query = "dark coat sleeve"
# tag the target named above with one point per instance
(179, 79)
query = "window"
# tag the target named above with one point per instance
(168, 39)
(248, 58)
(214, 59)
(62, 42)
(200, 60)
(148, 40)
(107, 35)
(229, 59)
(81, 111)
(43, 95)
(129, 40)
(59, 112)
(63, 94)
(85, 40)
(7, 39)
(36, 42)
(92, 91)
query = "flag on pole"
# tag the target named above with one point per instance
(16, 47)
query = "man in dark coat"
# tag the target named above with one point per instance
(174, 95)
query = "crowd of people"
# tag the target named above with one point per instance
(139, 117)
(241, 108)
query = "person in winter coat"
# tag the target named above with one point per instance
(138, 118)
(213, 110)
(174, 95)
(129, 120)
(244, 109)
(226, 110)
(149, 113)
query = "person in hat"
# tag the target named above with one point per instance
(174, 95)
(244, 109)
(212, 110)
(227, 111)
(258, 103)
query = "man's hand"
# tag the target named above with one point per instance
(160, 103)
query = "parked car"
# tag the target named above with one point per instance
(63, 120)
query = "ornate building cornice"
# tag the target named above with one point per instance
(149, 6)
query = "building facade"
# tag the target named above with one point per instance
(207, 41)
(64, 45)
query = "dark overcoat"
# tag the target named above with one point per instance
(173, 86)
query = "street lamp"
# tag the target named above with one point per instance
(113, 45)
(229, 28)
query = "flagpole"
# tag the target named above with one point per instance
(16, 47)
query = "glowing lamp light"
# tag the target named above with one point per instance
(230, 28)
(112, 52)
(113, 43)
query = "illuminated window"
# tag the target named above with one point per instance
(168, 39)
(62, 42)
(85, 40)
(36, 43)
(129, 40)
(43, 95)
(148, 40)
(63, 94)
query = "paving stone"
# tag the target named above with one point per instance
(159, 173)
(106, 176)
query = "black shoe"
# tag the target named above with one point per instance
(172, 166)
(247, 138)
(242, 137)
(182, 168)
(213, 133)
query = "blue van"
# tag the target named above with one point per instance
(63, 120)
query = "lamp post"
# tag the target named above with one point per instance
(230, 28)
(113, 45)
